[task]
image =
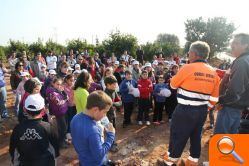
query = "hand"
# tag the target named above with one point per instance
(218, 107)
(110, 128)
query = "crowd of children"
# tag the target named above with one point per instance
(65, 85)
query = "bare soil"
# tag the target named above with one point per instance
(138, 145)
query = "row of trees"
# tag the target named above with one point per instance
(215, 31)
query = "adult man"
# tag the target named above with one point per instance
(36, 65)
(234, 90)
(125, 56)
(51, 61)
(198, 88)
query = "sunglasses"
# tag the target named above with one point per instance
(20, 65)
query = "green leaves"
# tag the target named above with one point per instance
(216, 31)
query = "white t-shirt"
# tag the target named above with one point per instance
(51, 62)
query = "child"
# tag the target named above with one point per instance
(86, 134)
(111, 85)
(127, 98)
(31, 86)
(58, 105)
(34, 142)
(68, 88)
(47, 83)
(145, 88)
(76, 73)
(160, 99)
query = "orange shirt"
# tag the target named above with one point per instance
(197, 84)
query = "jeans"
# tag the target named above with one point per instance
(187, 122)
(17, 102)
(228, 121)
(3, 99)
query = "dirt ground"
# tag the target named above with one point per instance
(138, 145)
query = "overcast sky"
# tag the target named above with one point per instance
(26, 20)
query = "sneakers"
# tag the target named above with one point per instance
(147, 123)
(114, 148)
(140, 123)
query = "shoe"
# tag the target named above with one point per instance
(156, 123)
(170, 120)
(140, 123)
(162, 121)
(148, 123)
(114, 148)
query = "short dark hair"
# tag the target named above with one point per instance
(110, 80)
(98, 99)
(128, 72)
(244, 39)
(144, 71)
(31, 84)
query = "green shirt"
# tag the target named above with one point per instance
(80, 99)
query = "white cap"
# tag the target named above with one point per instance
(147, 64)
(69, 68)
(43, 65)
(155, 62)
(77, 65)
(116, 63)
(52, 72)
(23, 74)
(84, 70)
(77, 72)
(34, 102)
(135, 63)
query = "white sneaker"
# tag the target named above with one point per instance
(140, 123)
(147, 123)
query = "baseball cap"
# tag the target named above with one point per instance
(116, 63)
(43, 65)
(34, 102)
(23, 74)
(147, 64)
(69, 68)
(77, 72)
(135, 63)
(52, 72)
(155, 63)
(77, 65)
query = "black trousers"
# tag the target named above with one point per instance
(158, 111)
(128, 107)
(143, 113)
(62, 128)
(70, 114)
(170, 105)
(187, 122)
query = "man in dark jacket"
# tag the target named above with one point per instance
(234, 88)
(34, 142)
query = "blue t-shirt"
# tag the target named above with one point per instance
(86, 138)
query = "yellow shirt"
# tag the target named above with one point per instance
(80, 99)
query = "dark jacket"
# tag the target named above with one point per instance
(111, 114)
(15, 79)
(234, 88)
(34, 142)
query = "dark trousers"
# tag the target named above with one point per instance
(170, 105)
(158, 111)
(187, 122)
(62, 128)
(70, 114)
(128, 107)
(143, 112)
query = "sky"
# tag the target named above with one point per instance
(63, 20)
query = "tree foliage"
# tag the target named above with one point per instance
(77, 45)
(16, 46)
(2, 53)
(118, 43)
(215, 31)
(55, 47)
(150, 49)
